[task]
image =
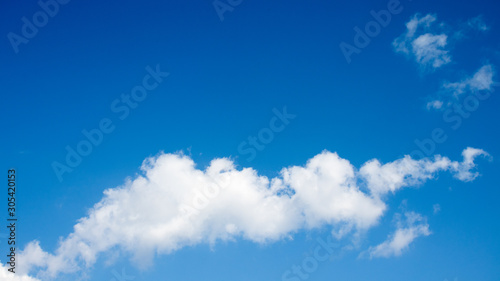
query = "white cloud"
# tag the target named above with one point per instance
(463, 170)
(390, 177)
(478, 24)
(435, 104)
(452, 92)
(413, 227)
(428, 42)
(429, 49)
(173, 205)
(420, 42)
(436, 208)
(6, 275)
(411, 29)
(481, 80)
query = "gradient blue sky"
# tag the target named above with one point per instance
(225, 79)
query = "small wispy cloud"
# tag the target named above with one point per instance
(478, 23)
(429, 42)
(421, 42)
(452, 92)
(481, 80)
(435, 104)
(408, 230)
(390, 177)
(436, 208)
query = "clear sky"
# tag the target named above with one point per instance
(310, 109)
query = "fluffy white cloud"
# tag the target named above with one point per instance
(5, 275)
(413, 227)
(420, 42)
(173, 205)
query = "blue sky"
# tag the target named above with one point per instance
(427, 77)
